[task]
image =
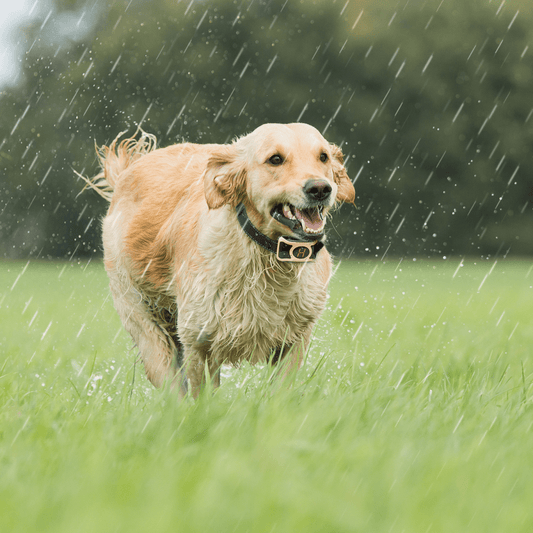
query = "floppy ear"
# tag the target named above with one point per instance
(346, 191)
(224, 178)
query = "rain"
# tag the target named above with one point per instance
(431, 104)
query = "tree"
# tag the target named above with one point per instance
(431, 106)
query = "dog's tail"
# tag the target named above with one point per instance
(115, 159)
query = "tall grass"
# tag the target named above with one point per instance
(413, 412)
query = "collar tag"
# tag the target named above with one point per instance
(296, 252)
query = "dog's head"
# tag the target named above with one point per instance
(287, 175)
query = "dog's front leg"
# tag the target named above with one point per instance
(289, 358)
(200, 369)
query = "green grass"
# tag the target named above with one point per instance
(412, 413)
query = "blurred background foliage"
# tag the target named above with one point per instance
(431, 102)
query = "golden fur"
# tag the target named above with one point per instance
(189, 285)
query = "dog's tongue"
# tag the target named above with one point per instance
(310, 216)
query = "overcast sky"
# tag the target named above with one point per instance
(13, 13)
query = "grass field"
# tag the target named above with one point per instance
(413, 412)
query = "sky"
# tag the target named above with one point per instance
(13, 14)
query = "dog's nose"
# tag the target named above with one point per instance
(317, 189)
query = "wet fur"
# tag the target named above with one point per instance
(190, 287)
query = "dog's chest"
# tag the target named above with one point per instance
(248, 313)
(263, 313)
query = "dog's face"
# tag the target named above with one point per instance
(288, 176)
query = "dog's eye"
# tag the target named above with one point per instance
(276, 160)
(323, 157)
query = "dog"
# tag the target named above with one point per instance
(215, 253)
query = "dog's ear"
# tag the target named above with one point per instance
(346, 191)
(224, 178)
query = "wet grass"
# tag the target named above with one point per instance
(413, 412)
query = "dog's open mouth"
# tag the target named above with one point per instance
(310, 221)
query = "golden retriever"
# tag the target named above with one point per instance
(215, 252)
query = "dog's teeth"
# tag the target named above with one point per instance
(311, 231)
(287, 212)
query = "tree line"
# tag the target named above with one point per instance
(431, 103)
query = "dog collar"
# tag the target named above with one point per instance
(285, 248)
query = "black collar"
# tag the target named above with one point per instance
(285, 248)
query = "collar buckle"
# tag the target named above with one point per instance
(295, 251)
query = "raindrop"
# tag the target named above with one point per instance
(145, 114)
(175, 119)
(238, 56)
(513, 176)
(512, 332)
(88, 225)
(458, 111)
(399, 226)
(357, 332)
(46, 20)
(500, 163)
(244, 69)
(46, 175)
(424, 225)
(189, 6)
(457, 270)
(394, 56)
(83, 210)
(487, 275)
(358, 174)
(202, 19)
(512, 21)
(393, 212)
(27, 304)
(344, 319)
(399, 70)
(357, 20)
(271, 63)
(302, 112)
(487, 119)
(19, 120)
(115, 64)
(332, 119)
(236, 18)
(46, 330)
(19, 276)
(146, 268)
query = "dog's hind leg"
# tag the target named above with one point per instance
(161, 355)
(180, 380)
(288, 359)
